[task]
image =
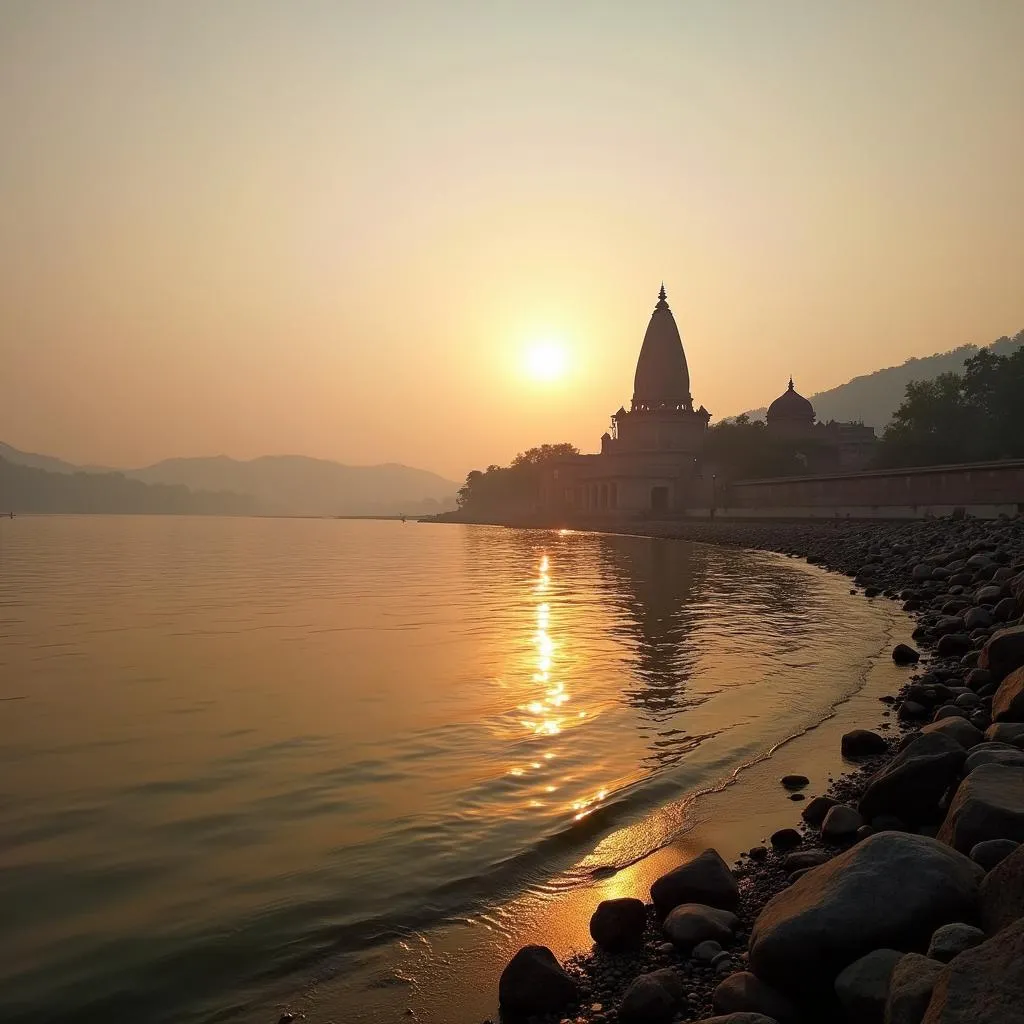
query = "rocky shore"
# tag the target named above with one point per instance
(898, 895)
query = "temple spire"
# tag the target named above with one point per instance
(662, 298)
(791, 388)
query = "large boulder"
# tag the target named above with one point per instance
(841, 824)
(746, 992)
(992, 852)
(690, 924)
(705, 879)
(913, 783)
(989, 804)
(534, 982)
(1002, 893)
(653, 998)
(955, 728)
(990, 753)
(904, 654)
(862, 743)
(910, 989)
(1008, 700)
(618, 924)
(891, 891)
(1003, 652)
(863, 986)
(984, 985)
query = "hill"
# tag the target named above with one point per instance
(31, 489)
(297, 485)
(874, 397)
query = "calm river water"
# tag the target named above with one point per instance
(241, 757)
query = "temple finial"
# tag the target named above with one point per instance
(791, 388)
(662, 298)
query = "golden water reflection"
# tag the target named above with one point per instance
(547, 711)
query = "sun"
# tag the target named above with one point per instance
(546, 361)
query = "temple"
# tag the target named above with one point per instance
(649, 458)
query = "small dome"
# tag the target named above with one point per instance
(791, 405)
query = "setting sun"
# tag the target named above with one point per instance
(545, 361)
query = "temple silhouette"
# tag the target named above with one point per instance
(651, 460)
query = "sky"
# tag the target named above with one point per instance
(341, 229)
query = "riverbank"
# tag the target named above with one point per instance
(814, 925)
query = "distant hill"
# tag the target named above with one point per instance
(287, 484)
(30, 489)
(874, 397)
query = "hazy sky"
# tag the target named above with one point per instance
(334, 228)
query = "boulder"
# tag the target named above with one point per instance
(904, 654)
(949, 711)
(690, 924)
(746, 992)
(1008, 701)
(977, 678)
(890, 891)
(653, 998)
(914, 782)
(984, 985)
(815, 811)
(910, 989)
(863, 986)
(1002, 893)
(705, 879)
(785, 839)
(1003, 652)
(841, 824)
(706, 951)
(992, 852)
(958, 729)
(953, 645)
(801, 860)
(618, 924)
(978, 618)
(533, 982)
(1006, 732)
(952, 939)
(990, 754)
(794, 781)
(989, 804)
(862, 743)
(911, 710)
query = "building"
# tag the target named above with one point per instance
(831, 446)
(649, 460)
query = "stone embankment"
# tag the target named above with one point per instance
(899, 899)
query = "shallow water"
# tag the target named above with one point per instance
(240, 756)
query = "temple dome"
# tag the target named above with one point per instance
(662, 378)
(791, 405)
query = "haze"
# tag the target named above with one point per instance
(339, 229)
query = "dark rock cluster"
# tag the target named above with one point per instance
(899, 899)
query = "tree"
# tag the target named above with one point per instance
(502, 489)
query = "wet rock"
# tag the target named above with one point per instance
(758, 853)
(890, 891)
(914, 782)
(690, 924)
(989, 804)
(745, 992)
(904, 654)
(618, 924)
(952, 939)
(862, 743)
(911, 711)
(653, 998)
(1003, 652)
(801, 860)
(815, 811)
(910, 989)
(1008, 702)
(794, 781)
(841, 824)
(534, 982)
(984, 985)
(992, 852)
(1002, 893)
(785, 839)
(706, 879)
(863, 986)
(955, 728)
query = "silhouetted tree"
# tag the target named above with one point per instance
(507, 488)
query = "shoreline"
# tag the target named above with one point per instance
(882, 559)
